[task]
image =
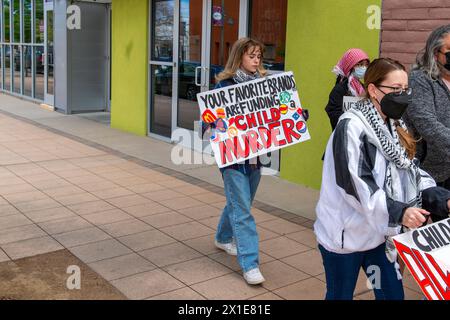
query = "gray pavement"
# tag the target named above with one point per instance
(95, 128)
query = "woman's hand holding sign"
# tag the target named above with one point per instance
(414, 218)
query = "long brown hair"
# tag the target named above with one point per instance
(238, 50)
(376, 73)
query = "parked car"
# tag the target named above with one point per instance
(274, 66)
(187, 87)
(27, 60)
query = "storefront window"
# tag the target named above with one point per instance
(5, 21)
(39, 70)
(16, 69)
(39, 22)
(27, 70)
(190, 56)
(27, 20)
(16, 17)
(224, 33)
(22, 50)
(268, 24)
(7, 85)
(163, 14)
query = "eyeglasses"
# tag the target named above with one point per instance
(397, 90)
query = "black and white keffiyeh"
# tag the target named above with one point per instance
(388, 143)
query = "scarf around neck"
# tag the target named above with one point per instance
(389, 144)
(242, 76)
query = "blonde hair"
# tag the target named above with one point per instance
(238, 50)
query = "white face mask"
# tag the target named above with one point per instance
(360, 72)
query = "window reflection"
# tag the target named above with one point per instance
(6, 21)
(190, 60)
(39, 69)
(27, 20)
(163, 15)
(7, 67)
(23, 61)
(224, 33)
(27, 70)
(268, 24)
(50, 85)
(161, 111)
(16, 20)
(39, 23)
(16, 70)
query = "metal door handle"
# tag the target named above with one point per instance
(196, 76)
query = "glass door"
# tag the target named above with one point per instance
(162, 71)
(49, 87)
(190, 43)
(190, 69)
(207, 30)
(223, 33)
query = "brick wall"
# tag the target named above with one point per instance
(407, 24)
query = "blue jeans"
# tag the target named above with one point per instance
(342, 272)
(237, 221)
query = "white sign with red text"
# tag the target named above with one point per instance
(253, 118)
(426, 253)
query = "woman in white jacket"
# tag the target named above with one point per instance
(372, 186)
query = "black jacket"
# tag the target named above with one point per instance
(334, 107)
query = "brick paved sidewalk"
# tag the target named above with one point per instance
(146, 229)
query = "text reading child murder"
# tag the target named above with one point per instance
(253, 118)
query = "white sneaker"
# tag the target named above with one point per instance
(229, 248)
(254, 276)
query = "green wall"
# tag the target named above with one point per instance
(129, 66)
(318, 34)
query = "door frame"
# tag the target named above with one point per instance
(205, 59)
(48, 98)
(108, 56)
(152, 63)
(243, 31)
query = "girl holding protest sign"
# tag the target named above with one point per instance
(236, 232)
(371, 187)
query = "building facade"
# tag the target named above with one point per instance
(45, 61)
(407, 25)
(145, 60)
(166, 51)
(24, 46)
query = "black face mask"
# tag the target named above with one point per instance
(394, 106)
(447, 65)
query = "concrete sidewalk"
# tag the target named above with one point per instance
(117, 203)
(271, 191)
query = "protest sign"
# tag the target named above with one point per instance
(426, 253)
(349, 102)
(253, 118)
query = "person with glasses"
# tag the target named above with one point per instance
(371, 187)
(429, 113)
(350, 71)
